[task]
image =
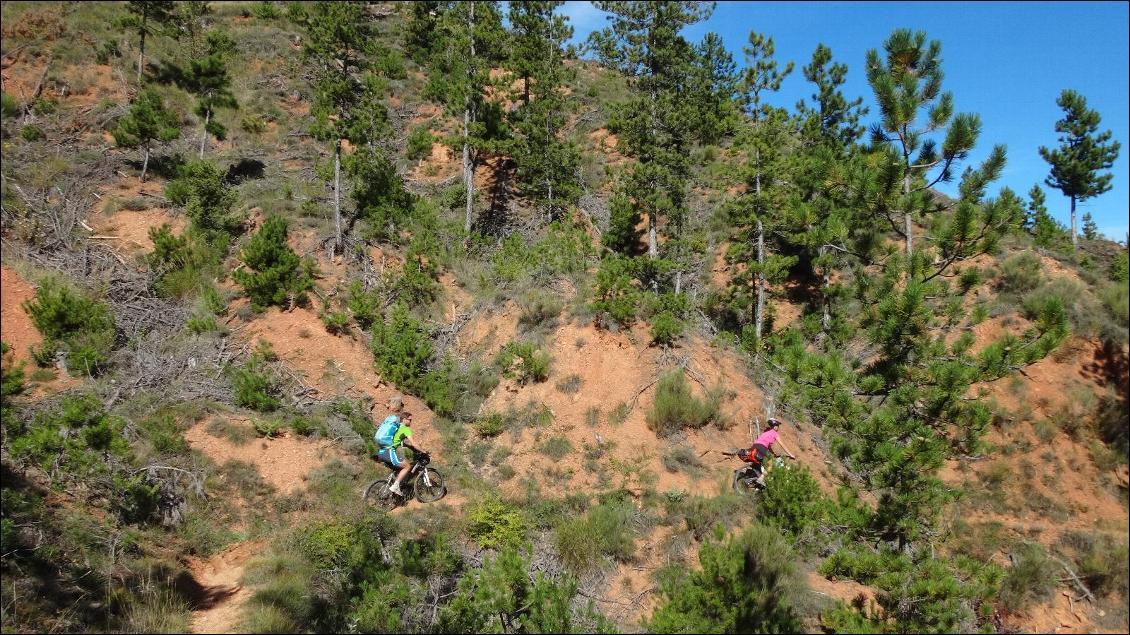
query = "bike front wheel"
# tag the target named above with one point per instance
(379, 495)
(745, 481)
(429, 486)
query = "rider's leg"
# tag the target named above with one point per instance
(397, 462)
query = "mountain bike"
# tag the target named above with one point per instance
(426, 482)
(746, 477)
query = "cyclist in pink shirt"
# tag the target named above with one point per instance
(763, 447)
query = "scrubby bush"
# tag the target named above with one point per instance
(185, 264)
(200, 186)
(538, 310)
(666, 328)
(490, 425)
(74, 323)
(401, 347)
(792, 499)
(9, 107)
(524, 362)
(682, 457)
(675, 407)
(604, 531)
(277, 275)
(254, 387)
(1020, 272)
(747, 584)
(495, 524)
(556, 448)
(616, 298)
(420, 142)
(1031, 578)
(32, 132)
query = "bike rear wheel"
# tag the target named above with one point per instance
(745, 481)
(379, 495)
(429, 486)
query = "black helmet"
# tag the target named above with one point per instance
(773, 422)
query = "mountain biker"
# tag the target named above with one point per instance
(392, 454)
(763, 446)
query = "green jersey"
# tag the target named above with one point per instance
(402, 433)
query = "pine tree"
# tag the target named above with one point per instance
(1045, 231)
(547, 164)
(909, 81)
(712, 90)
(149, 17)
(470, 40)
(835, 118)
(1082, 154)
(337, 34)
(208, 79)
(275, 274)
(763, 141)
(1090, 229)
(644, 44)
(147, 121)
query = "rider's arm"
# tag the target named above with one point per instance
(782, 444)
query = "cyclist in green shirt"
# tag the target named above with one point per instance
(393, 455)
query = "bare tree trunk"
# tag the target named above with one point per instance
(759, 317)
(141, 52)
(204, 134)
(826, 318)
(909, 227)
(1074, 236)
(145, 163)
(468, 168)
(337, 196)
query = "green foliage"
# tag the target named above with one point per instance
(76, 434)
(147, 121)
(1021, 272)
(605, 531)
(32, 132)
(1031, 578)
(556, 448)
(495, 524)
(1082, 154)
(11, 383)
(184, 265)
(201, 188)
(72, 322)
(502, 597)
(9, 107)
(747, 584)
(276, 274)
(792, 499)
(255, 387)
(666, 329)
(675, 407)
(523, 361)
(420, 142)
(402, 348)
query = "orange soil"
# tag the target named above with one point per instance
(284, 462)
(222, 596)
(15, 324)
(131, 228)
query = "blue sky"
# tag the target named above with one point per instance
(1005, 61)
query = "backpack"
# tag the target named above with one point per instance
(387, 431)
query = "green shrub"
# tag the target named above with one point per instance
(666, 328)
(9, 107)
(604, 531)
(32, 132)
(401, 347)
(70, 439)
(364, 305)
(200, 186)
(277, 275)
(1021, 272)
(495, 524)
(556, 448)
(676, 408)
(265, 10)
(616, 298)
(267, 427)
(163, 434)
(336, 322)
(74, 323)
(620, 413)
(185, 264)
(254, 387)
(792, 498)
(490, 425)
(532, 366)
(1031, 578)
(420, 142)
(539, 310)
(747, 584)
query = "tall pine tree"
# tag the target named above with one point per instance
(1077, 163)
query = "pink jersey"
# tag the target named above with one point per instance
(767, 438)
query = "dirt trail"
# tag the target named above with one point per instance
(219, 600)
